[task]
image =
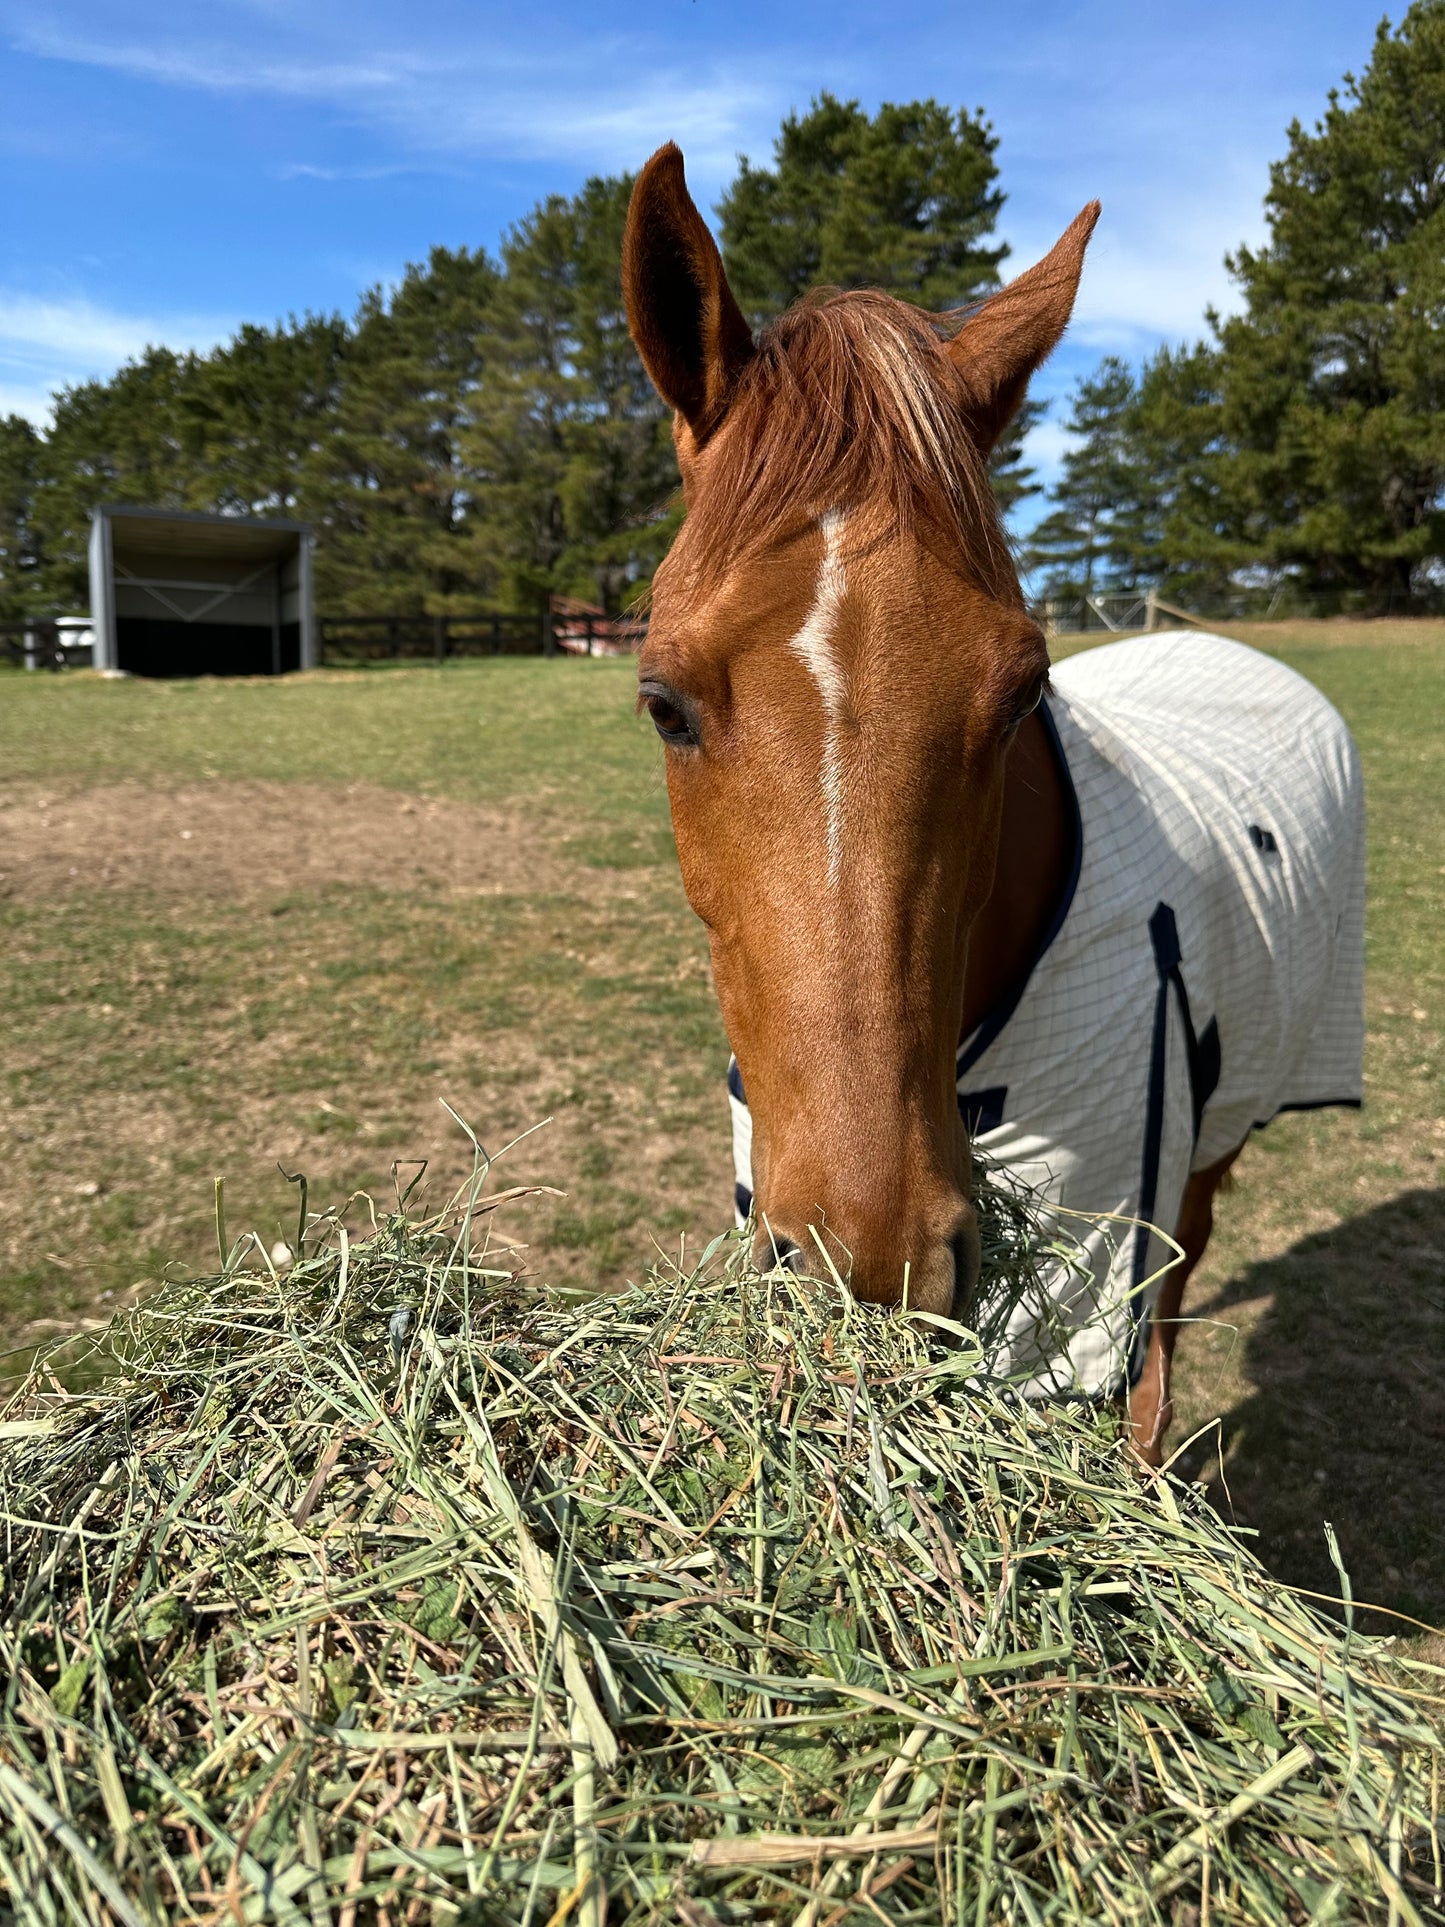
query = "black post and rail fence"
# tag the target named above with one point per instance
(553, 632)
(44, 643)
(362, 639)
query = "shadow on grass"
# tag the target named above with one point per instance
(1346, 1421)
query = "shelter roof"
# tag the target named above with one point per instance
(184, 532)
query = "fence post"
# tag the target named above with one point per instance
(1151, 608)
(439, 637)
(549, 641)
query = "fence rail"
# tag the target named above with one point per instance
(1112, 611)
(42, 644)
(343, 639)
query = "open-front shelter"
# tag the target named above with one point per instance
(179, 594)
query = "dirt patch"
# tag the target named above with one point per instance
(240, 841)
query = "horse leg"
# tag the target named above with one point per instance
(1150, 1406)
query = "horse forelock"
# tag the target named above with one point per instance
(850, 399)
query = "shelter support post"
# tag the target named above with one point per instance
(310, 655)
(102, 595)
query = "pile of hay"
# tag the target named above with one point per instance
(387, 1590)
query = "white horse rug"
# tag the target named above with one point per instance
(1204, 971)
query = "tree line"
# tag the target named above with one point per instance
(1293, 458)
(481, 435)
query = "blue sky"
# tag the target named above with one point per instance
(173, 169)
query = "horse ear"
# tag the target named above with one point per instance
(998, 348)
(688, 328)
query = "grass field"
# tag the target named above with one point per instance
(257, 923)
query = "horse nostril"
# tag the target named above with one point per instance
(775, 1252)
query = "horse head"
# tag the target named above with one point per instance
(838, 660)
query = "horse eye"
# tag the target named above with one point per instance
(671, 725)
(1029, 703)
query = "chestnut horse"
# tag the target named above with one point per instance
(873, 817)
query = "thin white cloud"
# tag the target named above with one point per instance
(76, 329)
(1171, 117)
(216, 66)
(24, 398)
(1134, 297)
(70, 330)
(711, 123)
(1151, 272)
(479, 100)
(48, 343)
(314, 171)
(1047, 443)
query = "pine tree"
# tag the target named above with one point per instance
(1333, 378)
(263, 405)
(135, 438)
(387, 485)
(1091, 540)
(234, 432)
(568, 452)
(1140, 501)
(623, 470)
(1183, 525)
(907, 201)
(21, 587)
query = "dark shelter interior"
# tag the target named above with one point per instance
(199, 595)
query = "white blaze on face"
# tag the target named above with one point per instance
(814, 644)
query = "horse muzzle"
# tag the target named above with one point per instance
(931, 1265)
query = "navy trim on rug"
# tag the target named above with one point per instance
(1204, 1061)
(1201, 1050)
(1164, 935)
(982, 1110)
(984, 1033)
(1310, 1104)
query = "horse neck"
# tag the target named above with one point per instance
(1035, 854)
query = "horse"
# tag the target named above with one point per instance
(1104, 919)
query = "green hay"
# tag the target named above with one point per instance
(722, 1600)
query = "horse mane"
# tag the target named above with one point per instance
(849, 398)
